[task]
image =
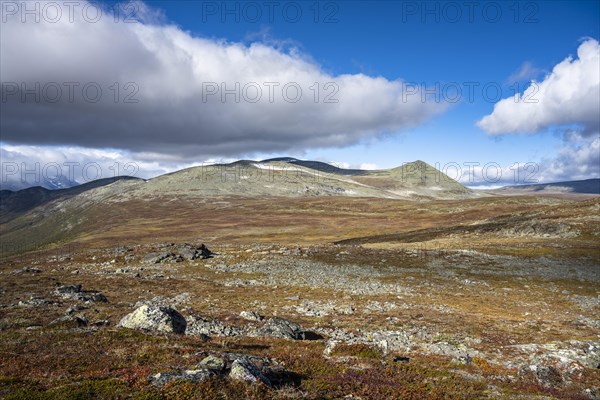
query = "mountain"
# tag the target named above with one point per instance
(290, 177)
(284, 177)
(34, 217)
(317, 165)
(587, 186)
(58, 182)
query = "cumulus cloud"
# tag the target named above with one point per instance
(568, 96)
(578, 158)
(156, 90)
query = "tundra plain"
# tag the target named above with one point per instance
(310, 296)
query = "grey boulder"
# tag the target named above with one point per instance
(154, 318)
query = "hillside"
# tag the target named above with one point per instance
(14, 203)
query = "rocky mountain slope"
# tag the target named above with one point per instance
(15, 203)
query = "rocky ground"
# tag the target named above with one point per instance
(177, 320)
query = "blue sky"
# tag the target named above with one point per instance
(425, 43)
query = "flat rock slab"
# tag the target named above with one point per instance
(194, 376)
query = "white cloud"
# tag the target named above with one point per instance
(347, 165)
(173, 71)
(569, 95)
(368, 166)
(579, 158)
(340, 164)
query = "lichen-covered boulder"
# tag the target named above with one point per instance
(243, 370)
(282, 328)
(154, 318)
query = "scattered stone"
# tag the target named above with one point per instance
(231, 357)
(592, 323)
(121, 250)
(191, 252)
(156, 258)
(244, 370)
(546, 375)
(75, 308)
(213, 363)
(401, 359)
(68, 290)
(33, 328)
(74, 292)
(284, 329)
(194, 376)
(592, 393)
(173, 302)
(460, 352)
(34, 301)
(80, 320)
(205, 252)
(155, 318)
(28, 270)
(586, 302)
(465, 360)
(178, 254)
(197, 326)
(321, 309)
(187, 251)
(345, 310)
(330, 346)
(243, 282)
(566, 356)
(203, 337)
(251, 316)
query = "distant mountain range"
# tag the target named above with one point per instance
(587, 186)
(54, 183)
(284, 176)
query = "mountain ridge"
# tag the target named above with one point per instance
(290, 177)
